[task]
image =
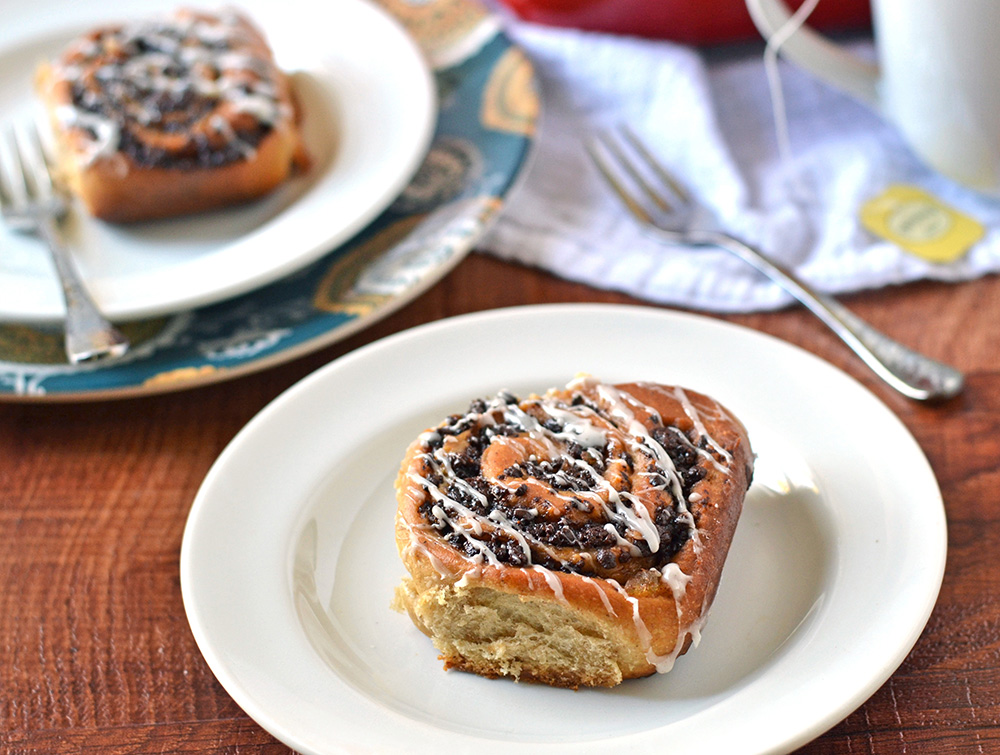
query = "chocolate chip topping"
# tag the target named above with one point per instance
(161, 88)
(570, 509)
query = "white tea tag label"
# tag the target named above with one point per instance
(920, 223)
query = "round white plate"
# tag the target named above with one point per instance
(288, 562)
(369, 107)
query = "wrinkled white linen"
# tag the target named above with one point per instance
(708, 114)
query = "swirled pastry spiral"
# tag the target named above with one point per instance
(575, 538)
(171, 116)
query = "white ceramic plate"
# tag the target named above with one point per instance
(369, 104)
(288, 562)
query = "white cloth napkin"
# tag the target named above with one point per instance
(708, 115)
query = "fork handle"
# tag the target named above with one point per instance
(909, 372)
(88, 334)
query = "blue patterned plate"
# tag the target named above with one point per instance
(488, 111)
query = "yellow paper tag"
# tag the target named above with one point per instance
(920, 223)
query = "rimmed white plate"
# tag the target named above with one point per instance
(369, 107)
(288, 562)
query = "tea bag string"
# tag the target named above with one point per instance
(779, 112)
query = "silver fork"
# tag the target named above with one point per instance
(31, 202)
(658, 201)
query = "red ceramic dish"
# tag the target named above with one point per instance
(699, 22)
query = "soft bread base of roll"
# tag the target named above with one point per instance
(493, 633)
(508, 622)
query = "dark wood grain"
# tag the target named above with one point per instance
(95, 651)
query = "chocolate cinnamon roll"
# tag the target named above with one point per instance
(575, 538)
(171, 116)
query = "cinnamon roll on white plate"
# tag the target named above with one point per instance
(171, 115)
(575, 538)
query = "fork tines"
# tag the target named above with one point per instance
(31, 202)
(28, 173)
(635, 174)
(11, 191)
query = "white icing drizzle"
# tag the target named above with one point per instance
(680, 395)
(621, 406)
(672, 576)
(106, 132)
(620, 541)
(639, 518)
(577, 428)
(470, 524)
(602, 595)
(416, 544)
(475, 522)
(699, 426)
(468, 575)
(508, 527)
(553, 582)
(223, 127)
(662, 663)
(583, 431)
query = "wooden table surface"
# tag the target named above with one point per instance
(95, 651)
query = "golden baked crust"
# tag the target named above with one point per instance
(574, 539)
(171, 116)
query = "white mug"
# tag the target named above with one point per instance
(937, 78)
